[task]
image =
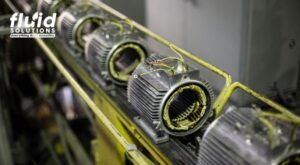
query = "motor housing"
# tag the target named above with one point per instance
(240, 137)
(176, 103)
(114, 50)
(77, 22)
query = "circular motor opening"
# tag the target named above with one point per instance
(85, 29)
(125, 59)
(185, 108)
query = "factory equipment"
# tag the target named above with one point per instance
(77, 22)
(114, 50)
(53, 6)
(170, 96)
(172, 115)
(244, 136)
(27, 6)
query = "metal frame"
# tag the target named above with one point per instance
(133, 154)
(229, 86)
(130, 149)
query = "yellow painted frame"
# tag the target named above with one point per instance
(226, 76)
(229, 86)
(218, 105)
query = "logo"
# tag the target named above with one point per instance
(22, 26)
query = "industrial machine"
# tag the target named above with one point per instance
(98, 94)
(52, 6)
(114, 50)
(77, 22)
(267, 142)
(170, 96)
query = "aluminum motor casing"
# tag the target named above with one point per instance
(52, 6)
(72, 19)
(105, 41)
(149, 93)
(27, 6)
(238, 137)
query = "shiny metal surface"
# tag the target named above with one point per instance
(77, 22)
(117, 134)
(114, 50)
(52, 6)
(242, 136)
(176, 103)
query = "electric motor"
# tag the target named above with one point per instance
(52, 6)
(27, 6)
(114, 50)
(77, 22)
(170, 97)
(240, 137)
